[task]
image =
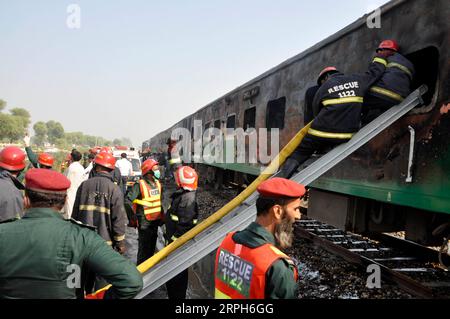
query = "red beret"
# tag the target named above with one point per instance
(46, 180)
(280, 187)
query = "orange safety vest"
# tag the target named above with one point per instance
(240, 271)
(151, 200)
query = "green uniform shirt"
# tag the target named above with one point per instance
(40, 253)
(32, 156)
(280, 283)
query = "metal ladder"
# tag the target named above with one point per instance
(208, 241)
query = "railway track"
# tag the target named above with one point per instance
(414, 268)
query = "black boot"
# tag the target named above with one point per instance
(289, 168)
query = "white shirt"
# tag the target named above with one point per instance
(88, 170)
(124, 166)
(75, 174)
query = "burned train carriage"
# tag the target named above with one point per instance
(369, 191)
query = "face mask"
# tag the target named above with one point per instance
(157, 174)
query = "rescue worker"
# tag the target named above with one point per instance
(308, 115)
(12, 162)
(99, 203)
(144, 208)
(394, 85)
(115, 173)
(43, 160)
(249, 264)
(182, 216)
(41, 253)
(337, 112)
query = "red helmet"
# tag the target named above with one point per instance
(105, 159)
(388, 44)
(186, 177)
(12, 158)
(148, 165)
(106, 149)
(328, 69)
(46, 159)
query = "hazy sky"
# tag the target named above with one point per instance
(136, 67)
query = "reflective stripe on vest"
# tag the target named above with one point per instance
(150, 202)
(342, 136)
(388, 93)
(220, 295)
(174, 160)
(240, 271)
(343, 100)
(401, 67)
(380, 60)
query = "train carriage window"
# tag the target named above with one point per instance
(217, 124)
(275, 113)
(250, 118)
(231, 121)
(206, 133)
(426, 64)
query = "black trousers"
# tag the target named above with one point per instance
(177, 286)
(308, 146)
(147, 236)
(124, 184)
(373, 107)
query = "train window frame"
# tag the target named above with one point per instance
(246, 112)
(228, 118)
(218, 121)
(428, 107)
(273, 113)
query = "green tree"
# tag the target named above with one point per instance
(22, 119)
(55, 131)
(23, 115)
(62, 143)
(74, 138)
(11, 129)
(13, 126)
(40, 132)
(127, 142)
(2, 105)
